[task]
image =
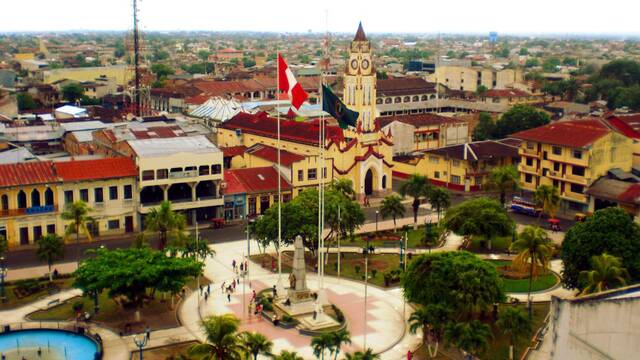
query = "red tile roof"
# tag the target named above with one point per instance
(233, 150)
(263, 125)
(576, 133)
(505, 93)
(158, 132)
(109, 168)
(254, 180)
(271, 154)
(28, 173)
(628, 125)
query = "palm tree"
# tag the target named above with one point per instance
(50, 249)
(472, 337)
(222, 339)
(287, 355)
(359, 355)
(548, 198)
(344, 186)
(78, 213)
(431, 320)
(392, 207)
(416, 186)
(607, 273)
(534, 250)
(515, 324)
(321, 343)
(440, 199)
(503, 179)
(166, 222)
(256, 343)
(340, 338)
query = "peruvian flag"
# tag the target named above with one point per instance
(287, 83)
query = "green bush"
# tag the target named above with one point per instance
(267, 306)
(357, 269)
(77, 306)
(28, 286)
(374, 272)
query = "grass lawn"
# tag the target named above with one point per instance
(499, 344)
(498, 243)
(415, 239)
(156, 313)
(13, 301)
(380, 263)
(169, 352)
(542, 282)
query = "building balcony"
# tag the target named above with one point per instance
(34, 210)
(567, 195)
(581, 180)
(183, 174)
(528, 152)
(528, 169)
(185, 204)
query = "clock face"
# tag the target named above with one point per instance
(354, 64)
(365, 64)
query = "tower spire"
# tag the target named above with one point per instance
(360, 36)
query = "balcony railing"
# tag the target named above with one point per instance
(183, 174)
(34, 210)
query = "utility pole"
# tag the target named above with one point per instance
(136, 57)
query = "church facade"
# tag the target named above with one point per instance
(362, 154)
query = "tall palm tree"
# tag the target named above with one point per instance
(472, 337)
(431, 320)
(78, 213)
(503, 179)
(321, 343)
(607, 273)
(534, 251)
(344, 186)
(50, 249)
(392, 207)
(359, 355)
(288, 355)
(440, 199)
(222, 339)
(515, 324)
(341, 337)
(417, 186)
(256, 343)
(166, 222)
(548, 198)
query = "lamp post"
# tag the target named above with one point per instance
(377, 212)
(366, 251)
(3, 274)
(141, 343)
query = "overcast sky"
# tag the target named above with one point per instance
(420, 16)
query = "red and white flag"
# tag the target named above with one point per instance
(287, 83)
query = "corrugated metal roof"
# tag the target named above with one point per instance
(168, 146)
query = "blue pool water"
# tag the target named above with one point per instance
(54, 345)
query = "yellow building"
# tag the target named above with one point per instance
(28, 202)
(466, 78)
(571, 155)
(121, 74)
(463, 167)
(362, 155)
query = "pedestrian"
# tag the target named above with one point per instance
(253, 296)
(200, 289)
(238, 280)
(222, 286)
(275, 292)
(409, 355)
(233, 265)
(206, 296)
(147, 331)
(228, 297)
(208, 288)
(241, 267)
(246, 265)
(234, 285)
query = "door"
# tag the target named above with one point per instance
(24, 236)
(368, 183)
(128, 224)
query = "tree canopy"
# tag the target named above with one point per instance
(609, 230)
(129, 272)
(72, 92)
(519, 118)
(480, 217)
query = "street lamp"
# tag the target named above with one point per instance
(365, 252)
(141, 343)
(377, 212)
(3, 274)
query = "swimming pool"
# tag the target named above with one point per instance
(52, 344)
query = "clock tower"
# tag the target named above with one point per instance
(360, 81)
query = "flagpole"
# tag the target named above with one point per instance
(279, 285)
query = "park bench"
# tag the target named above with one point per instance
(53, 303)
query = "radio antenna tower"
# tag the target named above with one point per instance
(136, 57)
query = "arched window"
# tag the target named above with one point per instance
(35, 197)
(378, 101)
(384, 181)
(48, 197)
(5, 202)
(388, 100)
(416, 98)
(397, 99)
(424, 97)
(407, 98)
(433, 96)
(22, 200)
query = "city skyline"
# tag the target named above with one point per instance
(290, 16)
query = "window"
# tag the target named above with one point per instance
(128, 192)
(529, 161)
(162, 174)
(577, 154)
(113, 224)
(300, 175)
(556, 150)
(22, 200)
(529, 145)
(575, 188)
(204, 170)
(455, 179)
(456, 162)
(436, 174)
(433, 159)
(35, 198)
(84, 195)
(190, 168)
(577, 170)
(528, 178)
(37, 233)
(51, 229)
(113, 193)
(98, 195)
(147, 175)
(324, 173)
(556, 166)
(216, 169)
(68, 197)
(311, 174)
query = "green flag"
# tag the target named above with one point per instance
(336, 108)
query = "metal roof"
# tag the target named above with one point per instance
(168, 146)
